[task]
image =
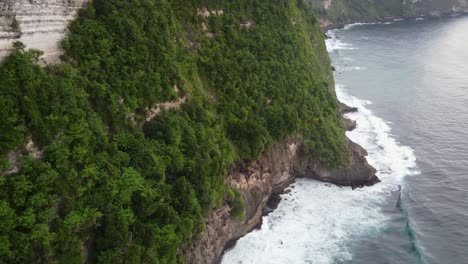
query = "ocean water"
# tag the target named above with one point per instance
(409, 80)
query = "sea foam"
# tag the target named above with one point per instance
(334, 44)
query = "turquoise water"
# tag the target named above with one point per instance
(409, 80)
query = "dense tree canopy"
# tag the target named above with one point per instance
(111, 187)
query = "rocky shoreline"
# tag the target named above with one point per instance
(260, 182)
(329, 25)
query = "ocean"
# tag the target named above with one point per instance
(409, 80)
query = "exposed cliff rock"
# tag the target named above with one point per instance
(349, 124)
(345, 109)
(255, 183)
(258, 180)
(39, 24)
(357, 174)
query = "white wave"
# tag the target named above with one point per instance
(333, 43)
(419, 18)
(349, 26)
(387, 155)
(350, 68)
(317, 222)
(336, 44)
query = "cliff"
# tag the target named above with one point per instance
(335, 13)
(39, 24)
(164, 124)
(257, 181)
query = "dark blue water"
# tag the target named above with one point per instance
(415, 73)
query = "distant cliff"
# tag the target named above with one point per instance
(39, 24)
(339, 12)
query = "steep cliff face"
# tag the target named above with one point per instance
(39, 24)
(338, 12)
(258, 180)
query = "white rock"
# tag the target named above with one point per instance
(41, 24)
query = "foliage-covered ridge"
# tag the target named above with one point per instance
(250, 73)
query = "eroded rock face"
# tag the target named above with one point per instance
(258, 180)
(39, 24)
(356, 174)
(346, 109)
(349, 124)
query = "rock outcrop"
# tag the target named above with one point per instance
(345, 109)
(258, 180)
(348, 123)
(39, 24)
(357, 174)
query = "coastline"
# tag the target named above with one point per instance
(262, 182)
(235, 254)
(318, 221)
(283, 187)
(188, 192)
(327, 25)
(269, 178)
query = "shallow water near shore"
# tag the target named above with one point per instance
(409, 80)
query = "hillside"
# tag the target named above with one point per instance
(119, 153)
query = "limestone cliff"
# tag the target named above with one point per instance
(39, 24)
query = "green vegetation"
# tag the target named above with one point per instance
(108, 191)
(14, 25)
(236, 203)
